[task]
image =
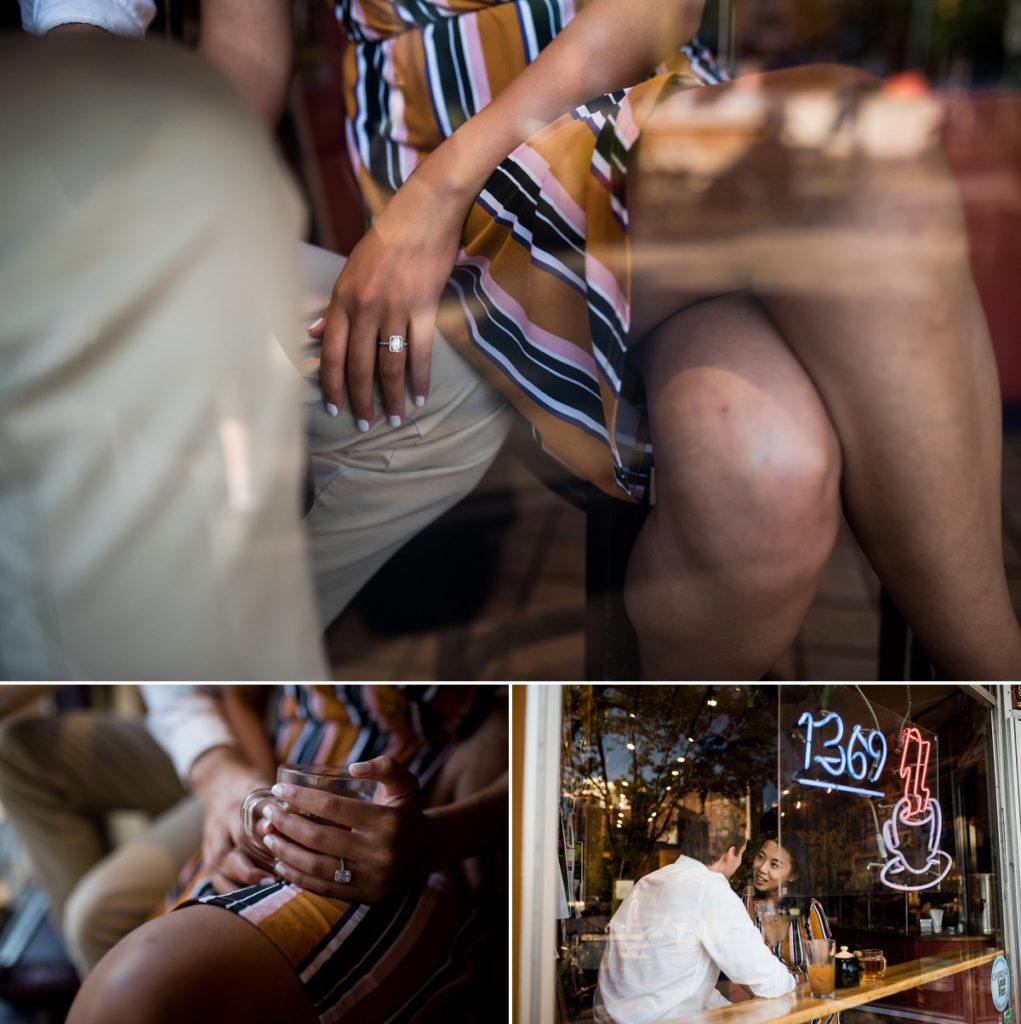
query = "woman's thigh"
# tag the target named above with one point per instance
(712, 192)
(203, 965)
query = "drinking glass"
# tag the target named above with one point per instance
(873, 964)
(821, 972)
(329, 778)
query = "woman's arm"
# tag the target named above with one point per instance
(396, 274)
(252, 44)
(244, 708)
(610, 44)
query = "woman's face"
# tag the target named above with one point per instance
(771, 868)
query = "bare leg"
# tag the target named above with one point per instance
(202, 965)
(747, 496)
(871, 289)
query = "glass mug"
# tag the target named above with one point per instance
(329, 778)
(821, 968)
(873, 964)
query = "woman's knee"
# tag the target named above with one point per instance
(201, 964)
(750, 488)
(129, 983)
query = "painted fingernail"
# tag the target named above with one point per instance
(359, 767)
(270, 841)
(362, 425)
(332, 409)
(395, 421)
(279, 790)
(315, 326)
(268, 880)
(420, 400)
(269, 811)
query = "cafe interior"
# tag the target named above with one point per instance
(891, 789)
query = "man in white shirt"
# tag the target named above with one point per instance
(676, 930)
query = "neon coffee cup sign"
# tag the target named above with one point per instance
(854, 763)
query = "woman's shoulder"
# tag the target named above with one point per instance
(816, 917)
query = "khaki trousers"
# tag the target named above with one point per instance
(375, 491)
(59, 776)
(150, 435)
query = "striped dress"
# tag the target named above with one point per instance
(411, 957)
(791, 951)
(546, 316)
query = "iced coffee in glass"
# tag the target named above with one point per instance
(821, 972)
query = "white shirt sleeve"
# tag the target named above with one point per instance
(121, 17)
(186, 721)
(729, 937)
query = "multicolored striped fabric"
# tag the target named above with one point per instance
(546, 313)
(405, 959)
(791, 951)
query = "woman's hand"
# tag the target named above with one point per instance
(391, 285)
(384, 844)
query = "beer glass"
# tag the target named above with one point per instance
(873, 964)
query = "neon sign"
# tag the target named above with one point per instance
(913, 830)
(862, 759)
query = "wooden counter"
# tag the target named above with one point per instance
(799, 1007)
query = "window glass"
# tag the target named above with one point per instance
(868, 811)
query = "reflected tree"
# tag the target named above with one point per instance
(652, 757)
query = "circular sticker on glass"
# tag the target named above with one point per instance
(999, 983)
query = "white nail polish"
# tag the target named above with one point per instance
(420, 400)
(362, 425)
(332, 409)
(315, 326)
(395, 421)
(268, 880)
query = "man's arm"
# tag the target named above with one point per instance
(191, 724)
(120, 17)
(187, 721)
(250, 42)
(729, 937)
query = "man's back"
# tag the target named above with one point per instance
(668, 942)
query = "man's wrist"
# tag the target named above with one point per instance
(213, 764)
(77, 28)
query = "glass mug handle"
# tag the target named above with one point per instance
(251, 812)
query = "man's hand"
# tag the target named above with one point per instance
(221, 779)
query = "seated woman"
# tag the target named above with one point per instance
(387, 919)
(763, 285)
(775, 869)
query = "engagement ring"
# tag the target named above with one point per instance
(395, 343)
(342, 874)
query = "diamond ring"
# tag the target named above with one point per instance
(395, 343)
(342, 874)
